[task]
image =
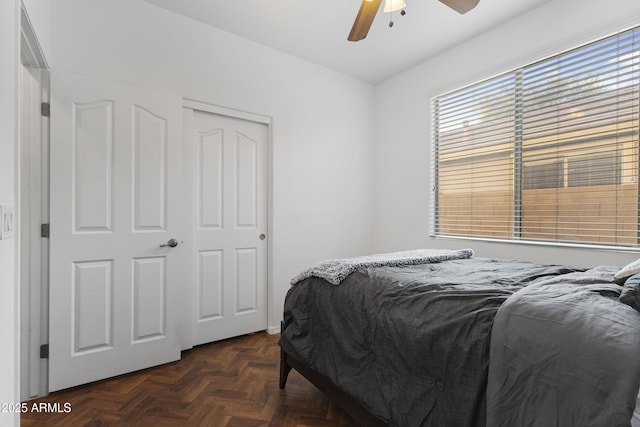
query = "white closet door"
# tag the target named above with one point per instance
(115, 198)
(229, 253)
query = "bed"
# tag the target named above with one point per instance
(447, 339)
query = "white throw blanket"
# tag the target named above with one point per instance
(335, 271)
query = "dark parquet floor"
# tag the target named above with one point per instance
(228, 383)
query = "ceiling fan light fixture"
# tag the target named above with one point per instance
(369, 9)
(393, 5)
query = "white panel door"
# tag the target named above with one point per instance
(228, 159)
(116, 177)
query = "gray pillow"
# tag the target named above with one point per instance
(630, 294)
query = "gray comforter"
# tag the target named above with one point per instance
(565, 352)
(412, 344)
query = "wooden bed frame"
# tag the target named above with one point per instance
(347, 403)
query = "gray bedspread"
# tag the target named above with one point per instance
(565, 352)
(410, 343)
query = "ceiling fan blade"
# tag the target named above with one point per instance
(364, 19)
(461, 6)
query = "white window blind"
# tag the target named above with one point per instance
(545, 152)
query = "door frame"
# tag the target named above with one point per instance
(187, 332)
(33, 174)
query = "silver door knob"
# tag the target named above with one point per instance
(172, 243)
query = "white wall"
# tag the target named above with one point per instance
(9, 309)
(403, 132)
(322, 120)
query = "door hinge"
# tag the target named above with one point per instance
(44, 351)
(45, 109)
(44, 230)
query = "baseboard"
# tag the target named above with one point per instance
(273, 330)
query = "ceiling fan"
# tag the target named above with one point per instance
(369, 9)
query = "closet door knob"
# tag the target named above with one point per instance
(172, 243)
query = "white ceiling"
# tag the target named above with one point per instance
(317, 30)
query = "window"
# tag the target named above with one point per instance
(546, 152)
(594, 169)
(549, 174)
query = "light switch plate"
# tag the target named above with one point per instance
(7, 222)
